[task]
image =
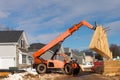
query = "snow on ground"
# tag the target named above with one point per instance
(14, 77)
(31, 74)
(20, 76)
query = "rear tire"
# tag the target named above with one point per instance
(68, 69)
(41, 68)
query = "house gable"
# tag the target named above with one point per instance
(16, 37)
(23, 42)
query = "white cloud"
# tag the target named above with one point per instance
(35, 16)
(3, 14)
(43, 38)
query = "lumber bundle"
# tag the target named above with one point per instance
(99, 43)
(4, 74)
(111, 67)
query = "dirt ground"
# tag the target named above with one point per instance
(58, 76)
(83, 76)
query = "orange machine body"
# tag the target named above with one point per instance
(57, 40)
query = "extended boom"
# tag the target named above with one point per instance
(62, 37)
(70, 67)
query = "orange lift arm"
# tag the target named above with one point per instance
(61, 38)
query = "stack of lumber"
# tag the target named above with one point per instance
(99, 43)
(111, 67)
(4, 74)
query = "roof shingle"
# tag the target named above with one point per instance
(10, 36)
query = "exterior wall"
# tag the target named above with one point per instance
(17, 56)
(28, 61)
(7, 56)
(22, 44)
(30, 57)
(6, 62)
(19, 59)
(7, 50)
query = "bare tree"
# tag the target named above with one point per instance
(115, 49)
(98, 56)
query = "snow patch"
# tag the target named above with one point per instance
(31, 74)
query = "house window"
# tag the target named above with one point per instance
(22, 44)
(24, 58)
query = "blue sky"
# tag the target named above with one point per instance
(43, 20)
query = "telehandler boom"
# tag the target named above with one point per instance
(69, 67)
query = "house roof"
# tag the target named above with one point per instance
(67, 50)
(10, 36)
(37, 46)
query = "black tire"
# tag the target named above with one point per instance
(68, 69)
(76, 70)
(41, 68)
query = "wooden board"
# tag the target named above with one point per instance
(111, 67)
(4, 74)
(99, 43)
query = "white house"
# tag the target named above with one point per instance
(13, 49)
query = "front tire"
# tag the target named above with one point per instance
(68, 69)
(41, 68)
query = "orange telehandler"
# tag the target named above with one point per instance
(69, 66)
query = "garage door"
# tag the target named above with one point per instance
(6, 62)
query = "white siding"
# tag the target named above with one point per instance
(20, 58)
(6, 62)
(7, 56)
(8, 50)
